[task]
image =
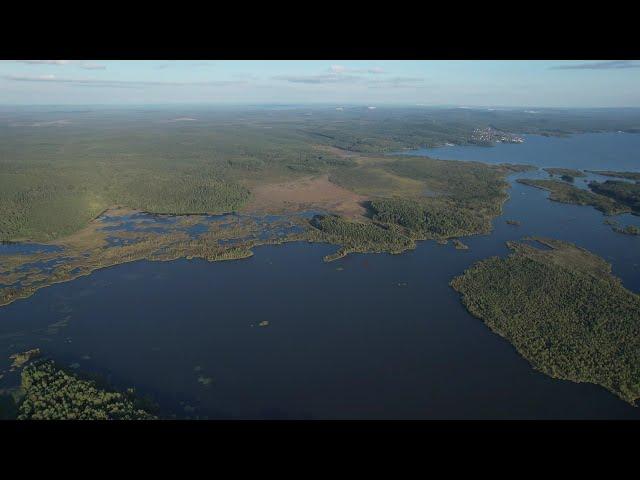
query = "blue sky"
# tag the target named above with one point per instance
(464, 83)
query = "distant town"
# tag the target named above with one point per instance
(491, 135)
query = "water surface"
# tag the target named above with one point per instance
(591, 151)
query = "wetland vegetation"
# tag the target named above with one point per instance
(122, 236)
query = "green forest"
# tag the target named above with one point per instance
(49, 392)
(563, 311)
(55, 179)
(624, 193)
(566, 193)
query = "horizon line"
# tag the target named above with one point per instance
(318, 104)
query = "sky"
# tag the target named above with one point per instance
(595, 83)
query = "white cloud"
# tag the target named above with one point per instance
(79, 63)
(33, 78)
(396, 82)
(342, 78)
(46, 62)
(608, 65)
(118, 83)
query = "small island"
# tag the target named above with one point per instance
(20, 359)
(629, 230)
(563, 311)
(459, 245)
(566, 174)
(565, 193)
(626, 230)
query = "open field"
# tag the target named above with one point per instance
(312, 193)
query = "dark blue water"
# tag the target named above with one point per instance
(368, 336)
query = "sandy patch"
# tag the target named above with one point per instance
(306, 194)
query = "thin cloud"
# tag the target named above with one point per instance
(39, 78)
(340, 74)
(338, 69)
(45, 62)
(93, 66)
(396, 82)
(174, 63)
(79, 63)
(340, 78)
(318, 79)
(246, 76)
(608, 65)
(118, 83)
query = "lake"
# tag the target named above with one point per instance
(592, 151)
(370, 336)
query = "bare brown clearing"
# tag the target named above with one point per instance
(306, 194)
